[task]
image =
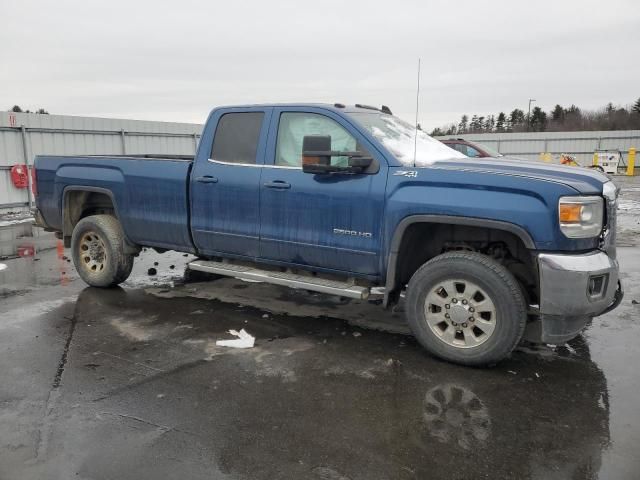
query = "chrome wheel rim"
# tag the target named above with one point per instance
(460, 313)
(93, 253)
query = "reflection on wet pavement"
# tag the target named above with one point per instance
(129, 383)
(143, 379)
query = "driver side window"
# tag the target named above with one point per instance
(294, 126)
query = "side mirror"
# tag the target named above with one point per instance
(316, 150)
(317, 153)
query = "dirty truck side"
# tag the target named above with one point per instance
(342, 200)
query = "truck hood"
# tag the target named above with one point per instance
(583, 180)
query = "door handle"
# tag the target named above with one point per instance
(207, 179)
(278, 184)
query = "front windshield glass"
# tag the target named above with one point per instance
(492, 152)
(401, 139)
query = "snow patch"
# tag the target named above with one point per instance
(16, 221)
(628, 205)
(403, 141)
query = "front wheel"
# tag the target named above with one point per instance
(97, 248)
(466, 308)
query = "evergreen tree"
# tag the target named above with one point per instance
(474, 125)
(573, 110)
(516, 118)
(463, 126)
(538, 120)
(18, 109)
(507, 125)
(608, 117)
(557, 114)
(490, 124)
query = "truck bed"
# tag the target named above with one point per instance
(149, 192)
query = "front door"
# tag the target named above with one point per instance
(330, 221)
(225, 216)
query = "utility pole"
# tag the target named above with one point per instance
(529, 114)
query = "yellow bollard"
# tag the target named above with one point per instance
(547, 157)
(631, 163)
(542, 156)
(595, 159)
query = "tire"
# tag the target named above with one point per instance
(97, 249)
(480, 323)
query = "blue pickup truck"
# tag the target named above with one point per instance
(353, 201)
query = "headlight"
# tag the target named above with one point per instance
(581, 217)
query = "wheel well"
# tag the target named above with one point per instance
(82, 203)
(423, 241)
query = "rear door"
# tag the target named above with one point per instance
(225, 216)
(329, 221)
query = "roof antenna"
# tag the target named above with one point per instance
(415, 136)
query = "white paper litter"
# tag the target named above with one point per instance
(244, 340)
(2, 266)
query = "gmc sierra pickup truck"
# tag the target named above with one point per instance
(353, 201)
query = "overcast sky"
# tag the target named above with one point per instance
(174, 61)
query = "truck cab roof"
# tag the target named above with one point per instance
(339, 107)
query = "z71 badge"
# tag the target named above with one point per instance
(406, 173)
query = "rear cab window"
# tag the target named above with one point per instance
(236, 138)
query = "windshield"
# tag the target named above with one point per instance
(492, 152)
(402, 139)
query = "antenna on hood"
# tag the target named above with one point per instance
(415, 135)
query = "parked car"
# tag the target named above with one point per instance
(471, 149)
(341, 200)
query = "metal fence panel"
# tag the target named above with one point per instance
(530, 145)
(71, 135)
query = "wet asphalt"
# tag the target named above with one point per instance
(128, 383)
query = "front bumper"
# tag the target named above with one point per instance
(573, 290)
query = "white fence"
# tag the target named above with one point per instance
(581, 144)
(25, 135)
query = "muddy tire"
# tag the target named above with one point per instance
(97, 249)
(466, 308)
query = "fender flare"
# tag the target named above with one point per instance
(67, 229)
(394, 250)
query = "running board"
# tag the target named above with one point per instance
(292, 280)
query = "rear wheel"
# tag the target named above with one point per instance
(97, 247)
(466, 308)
